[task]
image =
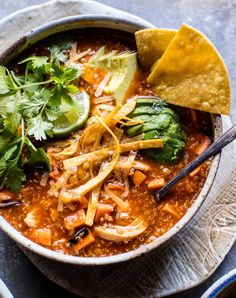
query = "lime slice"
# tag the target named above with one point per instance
(73, 116)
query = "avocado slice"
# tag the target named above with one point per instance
(159, 121)
(95, 58)
(123, 67)
(105, 60)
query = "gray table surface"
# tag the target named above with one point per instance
(217, 18)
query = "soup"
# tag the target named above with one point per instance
(96, 146)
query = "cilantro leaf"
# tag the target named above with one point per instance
(38, 157)
(35, 98)
(39, 128)
(12, 121)
(36, 61)
(72, 89)
(32, 103)
(11, 173)
(58, 51)
(7, 84)
(52, 114)
(65, 75)
(15, 177)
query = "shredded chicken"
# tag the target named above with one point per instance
(121, 233)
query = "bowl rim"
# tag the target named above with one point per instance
(101, 21)
(4, 291)
(220, 285)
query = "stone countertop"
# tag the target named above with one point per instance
(217, 19)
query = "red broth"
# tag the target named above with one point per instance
(160, 216)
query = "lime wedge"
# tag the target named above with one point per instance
(72, 115)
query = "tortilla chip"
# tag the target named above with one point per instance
(152, 43)
(191, 73)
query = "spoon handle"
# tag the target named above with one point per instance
(212, 150)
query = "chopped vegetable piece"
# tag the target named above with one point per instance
(156, 183)
(80, 234)
(103, 209)
(138, 177)
(173, 210)
(139, 165)
(75, 220)
(82, 243)
(44, 179)
(31, 219)
(83, 202)
(41, 236)
(202, 146)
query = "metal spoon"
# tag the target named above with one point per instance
(212, 150)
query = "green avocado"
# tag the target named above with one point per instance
(159, 121)
(123, 67)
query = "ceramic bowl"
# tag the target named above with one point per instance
(101, 21)
(225, 287)
(4, 292)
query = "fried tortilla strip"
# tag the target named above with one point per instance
(106, 152)
(192, 74)
(152, 43)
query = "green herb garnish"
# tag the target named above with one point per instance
(30, 104)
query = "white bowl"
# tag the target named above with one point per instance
(101, 21)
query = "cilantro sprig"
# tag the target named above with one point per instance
(29, 104)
